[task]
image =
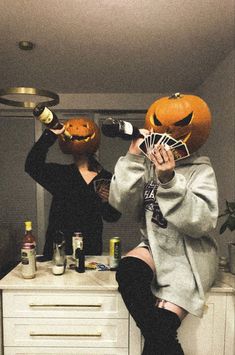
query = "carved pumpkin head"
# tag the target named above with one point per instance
(184, 117)
(85, 136)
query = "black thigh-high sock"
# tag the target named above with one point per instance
(158, 326)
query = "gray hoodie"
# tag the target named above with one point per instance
(175, 219)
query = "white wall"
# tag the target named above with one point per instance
(218, 91)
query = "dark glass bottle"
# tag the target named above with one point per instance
(80, 256)
(49, 119)
(112, 127)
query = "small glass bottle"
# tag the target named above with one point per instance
(28, 253)
(59, 255)
(80, 257)
(112, 127)
(77, 238)
(50, 120)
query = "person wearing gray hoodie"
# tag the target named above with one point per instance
(168, 274)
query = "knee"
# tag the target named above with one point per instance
(144, 255)
(132, 270)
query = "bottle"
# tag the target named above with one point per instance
(112, 127)
(80, 256)
(59, 256)
(50, 120)
(76, 240)
(28, 253)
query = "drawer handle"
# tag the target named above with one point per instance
(32, 334)
(67, 305)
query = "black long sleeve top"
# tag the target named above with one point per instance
(75, 206)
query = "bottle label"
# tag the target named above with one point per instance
(77, 242)
(127, 128)
(28, 263)
(46, 116)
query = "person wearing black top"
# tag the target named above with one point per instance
(75, 204)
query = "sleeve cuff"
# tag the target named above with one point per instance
(135, 158)
(49, 136)
(168, 184)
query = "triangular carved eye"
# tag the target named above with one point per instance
(156, 121)
(185, 121)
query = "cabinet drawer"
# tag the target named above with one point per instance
(63, 304)
(106, 333)
(64, 351)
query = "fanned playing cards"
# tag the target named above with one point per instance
(178, 148)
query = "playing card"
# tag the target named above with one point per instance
(177, 143)
(170, 141)
(164, 139)
(101, 183)
(180, 152)
(143, 147)
(157, 137)
(148, 142)
(178, 148)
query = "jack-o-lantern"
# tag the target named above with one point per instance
(184, 117)
(85, 136)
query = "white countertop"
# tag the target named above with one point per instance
(90, 280)
(70, 280)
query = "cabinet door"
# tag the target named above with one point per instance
(197, 336)
(230, 326)
(205, 336)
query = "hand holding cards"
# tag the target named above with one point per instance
(178, 148)
(101, 187)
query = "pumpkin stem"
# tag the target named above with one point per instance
(177, 95)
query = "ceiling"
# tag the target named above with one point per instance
(114, 46)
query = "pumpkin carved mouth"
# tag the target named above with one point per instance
(83, 138)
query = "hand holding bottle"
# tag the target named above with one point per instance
(111, 127)
(58, 131)
(134, 147)
(51, 121)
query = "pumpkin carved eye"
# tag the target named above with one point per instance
(156, 120)
(185, 121)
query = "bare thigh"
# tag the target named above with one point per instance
(144, 254)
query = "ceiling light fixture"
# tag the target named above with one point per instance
(26, 45)
(28, 91)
